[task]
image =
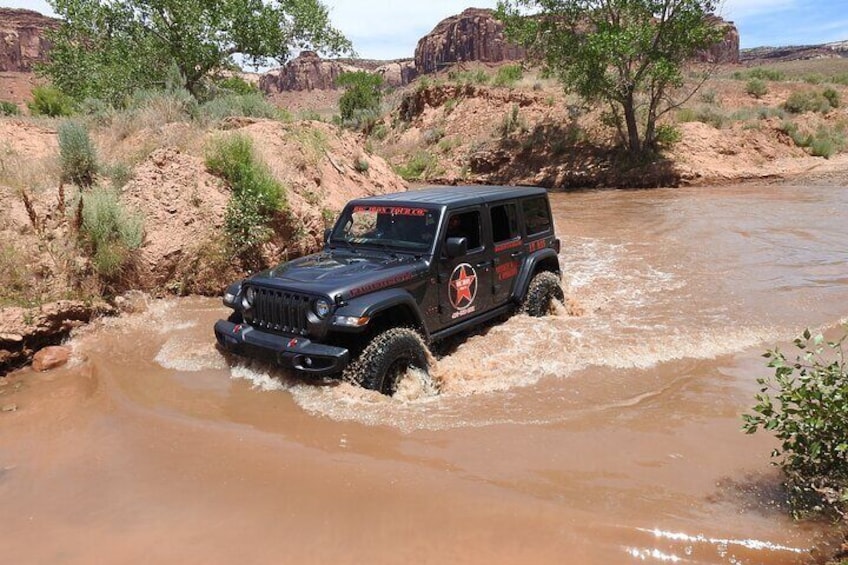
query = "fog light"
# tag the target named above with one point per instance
(307, 361)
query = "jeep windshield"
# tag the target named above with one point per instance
(399, 228)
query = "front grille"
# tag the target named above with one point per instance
(280, 311)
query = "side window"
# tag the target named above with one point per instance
(536, 215)
(504, 222)
(466, 224)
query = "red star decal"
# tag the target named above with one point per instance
(462, 284)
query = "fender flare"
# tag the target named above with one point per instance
(528, 269)
(372, 304)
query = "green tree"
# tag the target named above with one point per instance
(363, 93)
(105, 49)
(629, 55)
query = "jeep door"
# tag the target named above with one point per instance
(508, 249)
(465, 282)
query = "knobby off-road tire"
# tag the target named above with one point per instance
(543, 290)
(386, 358)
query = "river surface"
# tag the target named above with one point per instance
(611, 437)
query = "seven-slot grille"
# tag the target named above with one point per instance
(280, 311)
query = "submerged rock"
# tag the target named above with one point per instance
(50, 358)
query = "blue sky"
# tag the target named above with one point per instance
(390, 29)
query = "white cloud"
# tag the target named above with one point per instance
(738, 9)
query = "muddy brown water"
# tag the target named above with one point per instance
(613, 437)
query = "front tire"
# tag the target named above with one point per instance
(386, 359)
(543, 290)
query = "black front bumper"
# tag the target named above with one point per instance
(296, 352)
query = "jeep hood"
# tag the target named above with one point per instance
(336, 271)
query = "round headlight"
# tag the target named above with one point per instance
(322, 308)
(248, 298)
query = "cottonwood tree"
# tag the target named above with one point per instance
(629, 55)
(106, 49)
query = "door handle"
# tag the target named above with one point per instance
(484, 265)
(516, 255)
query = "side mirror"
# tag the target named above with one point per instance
(327, 233)
(456, 247)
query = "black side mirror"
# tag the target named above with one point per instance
(327, 233)
(456, 247)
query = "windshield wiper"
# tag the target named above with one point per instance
(349, 244)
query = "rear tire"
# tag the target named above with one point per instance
(386, 359)
(543, 290)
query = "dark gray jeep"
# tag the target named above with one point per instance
(399, 272)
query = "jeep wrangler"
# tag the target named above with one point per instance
(399, 272)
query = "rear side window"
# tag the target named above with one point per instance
(537, 216)
(504, 222)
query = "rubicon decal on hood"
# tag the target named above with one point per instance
(463, 286)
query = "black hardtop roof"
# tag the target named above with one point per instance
(454, 196)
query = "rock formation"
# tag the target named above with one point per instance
(22, 42)
(310, 72)
(473, 35)
(726, 50)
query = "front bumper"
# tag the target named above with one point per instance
(296, 352)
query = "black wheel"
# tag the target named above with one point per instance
(387, 358)
(543, 290)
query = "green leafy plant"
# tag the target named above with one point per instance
(237, 85)
(757, 88)
(763, 73)
(256, 195)
(807, 101)
(363, 93)
(8, 108)
(50, 101)
(420, 166)
(804, 405)
(832, 96)
(77, 154)
(109, 231)
(508, 76)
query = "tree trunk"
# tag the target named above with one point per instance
(634, 144)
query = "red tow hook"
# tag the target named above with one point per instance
(293, 343)
(237, 329)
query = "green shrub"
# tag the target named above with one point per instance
(512, 122)
(361, 164)
(841, 78)
(756, 88)
(363, 92)
(708, 97)
(420, 166)
(252, 105)
(237, 85)
(9, 108)
(807, 101)
(704, 114)
(804, 405)
(110, 232)
(78, 155)
(50, 101)
(667, 135)
(815, 78)
(256, 195)
(120, 174)
(832, 96)
(508, 75)
(478, 76)
(766, 74)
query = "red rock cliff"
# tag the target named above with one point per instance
(473, 35)
(22, 42)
